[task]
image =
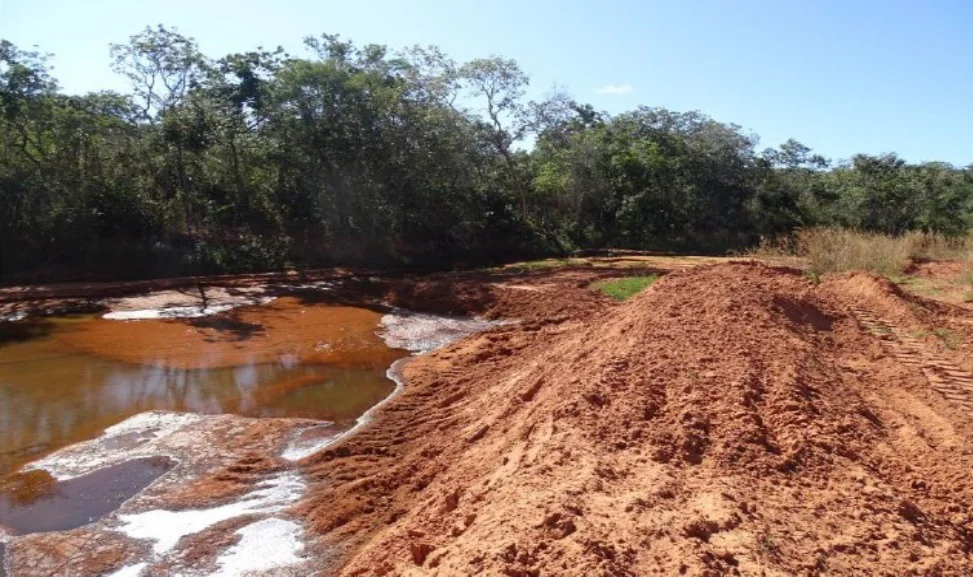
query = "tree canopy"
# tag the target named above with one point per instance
(358, 155)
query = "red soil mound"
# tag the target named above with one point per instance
(730, 419)
(945, 327)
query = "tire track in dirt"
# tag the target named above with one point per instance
(944, 376)
(733, 419)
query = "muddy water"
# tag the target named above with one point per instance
(64, 380)
(38, 503)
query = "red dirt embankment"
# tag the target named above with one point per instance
(730, 419)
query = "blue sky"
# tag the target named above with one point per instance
(841, 76)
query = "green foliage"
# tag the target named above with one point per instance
(359, 155)
(623, 288)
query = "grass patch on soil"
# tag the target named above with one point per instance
(623, 288)
(920, 286)
(968, 280)
(949, 339)
(880, 330)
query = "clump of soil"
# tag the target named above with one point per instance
(730, 419)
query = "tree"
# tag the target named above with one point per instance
(501, 84)
(357, 154)
(162, 65)
(789, 192)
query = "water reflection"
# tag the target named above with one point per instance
(77, 377)
(32, 504)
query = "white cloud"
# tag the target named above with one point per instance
(615, 89)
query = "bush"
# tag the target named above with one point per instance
(823, 250)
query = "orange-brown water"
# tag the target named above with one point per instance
(64, 380)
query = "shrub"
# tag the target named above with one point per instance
(822, 250)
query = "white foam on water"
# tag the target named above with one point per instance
(129, 570)
(298, 449)
(264, 545)
(421, 332)
(13, 317)
(166, 528)
(180, 312)
(311, 285)
(87, 456)
(417, 333)
(267, 544)
(158, 422)
(166, 313)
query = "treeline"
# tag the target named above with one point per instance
(358, 155)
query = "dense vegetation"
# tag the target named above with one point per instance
(358, 155)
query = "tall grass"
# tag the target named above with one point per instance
(823, 250)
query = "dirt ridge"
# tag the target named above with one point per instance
(943, 375)
(731, 419)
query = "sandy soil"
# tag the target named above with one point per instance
(731, 419)
(946, 281)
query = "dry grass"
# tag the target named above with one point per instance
(825, 250)
(544, 264)
(938, 247)
(968, 280)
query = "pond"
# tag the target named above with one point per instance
(66, 379)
